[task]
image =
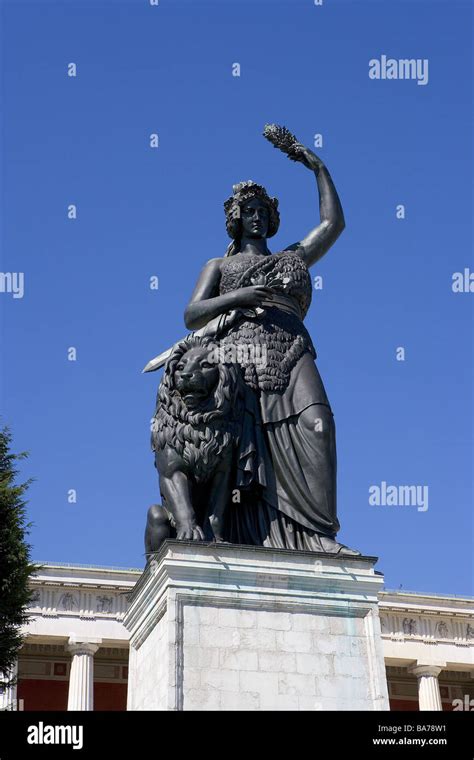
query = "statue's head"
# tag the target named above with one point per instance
(250, 212)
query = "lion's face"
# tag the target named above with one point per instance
(196, 377)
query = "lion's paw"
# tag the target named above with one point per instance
(189, 532)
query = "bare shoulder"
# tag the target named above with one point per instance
(213, 265)
(208, 278)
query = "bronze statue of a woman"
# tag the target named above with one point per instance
(280, 485)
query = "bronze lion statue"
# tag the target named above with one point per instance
(195, 433)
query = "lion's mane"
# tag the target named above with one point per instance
(199, 437)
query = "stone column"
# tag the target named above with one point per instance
(8, 690)
(429, 695)
(81, 679)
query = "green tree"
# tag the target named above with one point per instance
(15, 565)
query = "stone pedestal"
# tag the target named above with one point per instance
(226, 627)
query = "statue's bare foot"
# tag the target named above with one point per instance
(346, 550)
(334, 547)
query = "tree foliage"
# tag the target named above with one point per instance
(15, 564)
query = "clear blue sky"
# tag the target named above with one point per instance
(145, 212)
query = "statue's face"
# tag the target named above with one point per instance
(255, 217)
(196, 377)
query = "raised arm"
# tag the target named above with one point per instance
(205, 303)
(332, 223)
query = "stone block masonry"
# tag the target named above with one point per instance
(225, 627)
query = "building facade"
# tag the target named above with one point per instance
(75, 654)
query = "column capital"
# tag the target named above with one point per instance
(420, 669)
(429, 695)
(82, 645)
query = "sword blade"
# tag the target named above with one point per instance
(212, 328)
(158, 361)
